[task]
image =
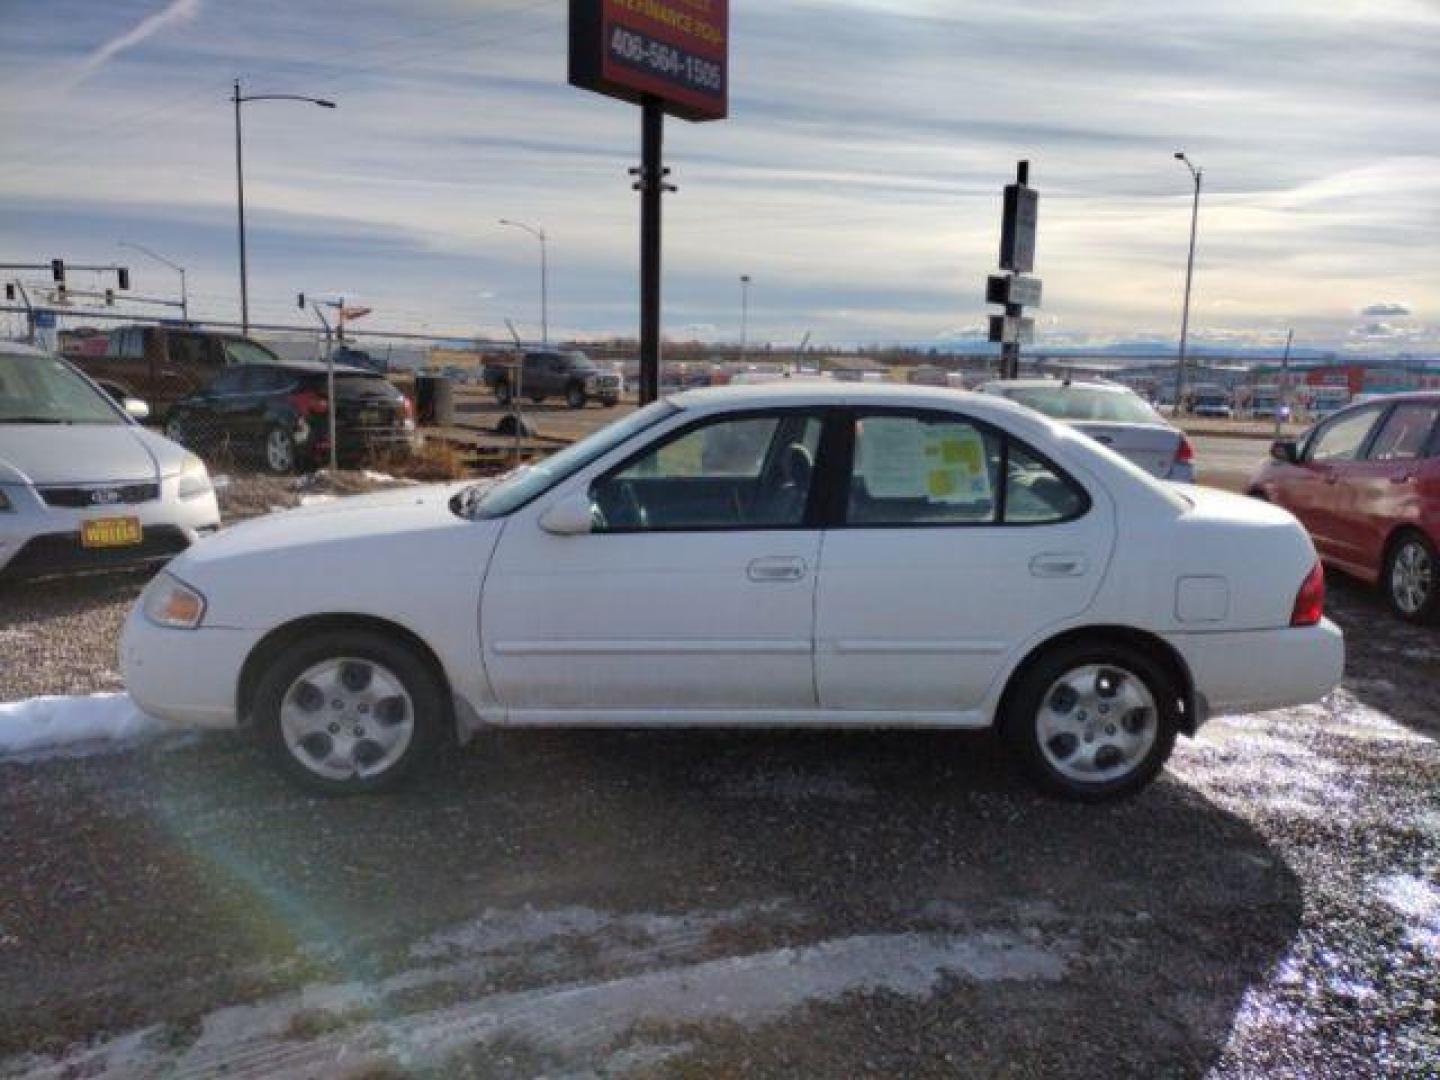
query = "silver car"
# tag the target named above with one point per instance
(82, 485)
(1110, 414)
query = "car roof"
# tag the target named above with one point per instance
(800, 392)
(1053, 384)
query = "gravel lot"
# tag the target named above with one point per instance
(726, 904)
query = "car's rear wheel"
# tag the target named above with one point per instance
(348, 712)
(1412, 579)
(1092, 721)
(575, 396)
(279, 451)
(503, 393)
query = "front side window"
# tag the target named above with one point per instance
(1342, 438)
(1406, 432)
(942, 470)
(747, 472)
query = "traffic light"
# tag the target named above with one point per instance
(123, 273)
(57, 270)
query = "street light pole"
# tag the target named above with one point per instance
(744, 316)
(1197, 174)
(184, 292)
(538, 232)
(240, 99)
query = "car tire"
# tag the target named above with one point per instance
(381, 712)
(503, 393)
(1411, 581)
(575, 396)
(1092, 720)
(279, 451)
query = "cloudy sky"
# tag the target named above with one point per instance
(857, 179)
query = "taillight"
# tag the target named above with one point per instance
(308, 401)
(1310, 600)
(1184, 453)
(407, 407)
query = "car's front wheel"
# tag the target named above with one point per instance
(575, 396)
(1412, 579)
(347, 712)
(1092, 721)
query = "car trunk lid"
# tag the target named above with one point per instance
(1151, 446)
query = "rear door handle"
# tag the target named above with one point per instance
(776, 568)
(1053, 566)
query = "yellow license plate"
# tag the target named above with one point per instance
(110, 532)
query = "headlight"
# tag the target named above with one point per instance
(194, 478)
(168, 601)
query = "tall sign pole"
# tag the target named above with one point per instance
(667, 56)
(1015, 291)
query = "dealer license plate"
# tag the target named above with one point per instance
(110, 532)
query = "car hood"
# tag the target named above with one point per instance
(368, 519)
(47, 454)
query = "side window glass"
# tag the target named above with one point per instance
(1342, 438)
(1035, 494)
(739, 473)
(1405, 433)
(912, 470)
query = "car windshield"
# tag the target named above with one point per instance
(1084, 403)
(43, 390)
(517, 488)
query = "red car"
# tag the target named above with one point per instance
(1366, 483)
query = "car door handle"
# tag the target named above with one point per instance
(776, 568)
(1052, 566)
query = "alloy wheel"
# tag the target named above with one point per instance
(347, 718)
(279, 451)
(1412, 577)
(1097, 723)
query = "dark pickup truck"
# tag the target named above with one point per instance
(545, 373)
(160, 364)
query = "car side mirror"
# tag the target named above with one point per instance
(1285, 450)
(135, 409)
(571, 516)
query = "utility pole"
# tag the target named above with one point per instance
(538, 232)
(1283, 405)
(1197, 175)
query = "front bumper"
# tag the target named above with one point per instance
(38, 539)
(189, 677)
(1254, 670)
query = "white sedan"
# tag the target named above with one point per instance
(825, 555)
(82, 485)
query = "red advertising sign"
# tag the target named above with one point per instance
(676, 51)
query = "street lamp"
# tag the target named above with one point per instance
(240, 99)
(1196, 174)
(539, 233)
(744, 315)
(184, 293)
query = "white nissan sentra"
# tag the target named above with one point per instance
(826, 555)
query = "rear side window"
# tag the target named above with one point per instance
(1342, 438)
(1406, 432)
(943, 470)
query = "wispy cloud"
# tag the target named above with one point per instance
(175, 11)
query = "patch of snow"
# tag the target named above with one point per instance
(316, 500)
(48, 723)
(1418, 902)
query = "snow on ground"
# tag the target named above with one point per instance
(656, 974)
(51, 723)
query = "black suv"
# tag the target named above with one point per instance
(279, 413)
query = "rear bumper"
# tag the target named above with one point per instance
(1249, 671)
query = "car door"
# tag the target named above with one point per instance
(956, 543)
(1322, 493)
(694, 591)
(1382, 488)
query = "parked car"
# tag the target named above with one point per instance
(278, 413)
(805, 554)
(1366, 483)
(1211, 405)
(82, 484)
(162, 364)
(546, 373)
(1110, 414)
